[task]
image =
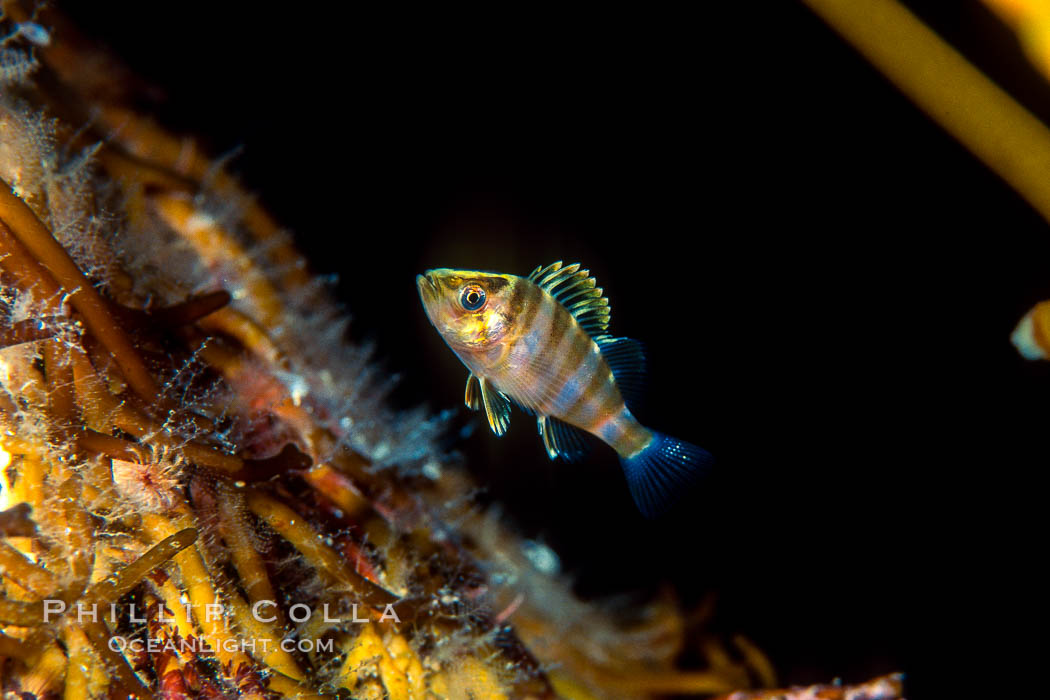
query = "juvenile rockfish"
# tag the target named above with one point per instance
(541, 341)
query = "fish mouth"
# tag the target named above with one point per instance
(428, 290)
(425, 284)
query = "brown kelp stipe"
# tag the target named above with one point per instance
(192, 456)
(983, 117)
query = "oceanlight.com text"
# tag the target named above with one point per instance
(195, 645)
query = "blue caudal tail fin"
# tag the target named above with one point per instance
(663, 471)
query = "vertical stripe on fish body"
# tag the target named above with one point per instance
(554, 368)
(542, 342)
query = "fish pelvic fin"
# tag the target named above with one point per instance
(472, 396)
(662, 471)
(497, 407)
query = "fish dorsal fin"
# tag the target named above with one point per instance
(626, 359)
(578, 292)
(497, 408)
(561, 439)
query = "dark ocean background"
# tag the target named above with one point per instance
(824, 281)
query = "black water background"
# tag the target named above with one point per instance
(825, 282)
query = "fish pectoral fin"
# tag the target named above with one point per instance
(497, 407)
(472, 398)
(561, 439)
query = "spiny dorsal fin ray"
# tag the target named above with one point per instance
(568, 283)
(560, 276)
(541, 270)
(497, 407)
(561, 439)
(586, 289)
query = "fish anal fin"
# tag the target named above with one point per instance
(543, 425)
(497, 407)
(561, 439)
(626, 359)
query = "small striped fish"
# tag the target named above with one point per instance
(541, 341)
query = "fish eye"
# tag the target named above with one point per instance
(472, 298)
